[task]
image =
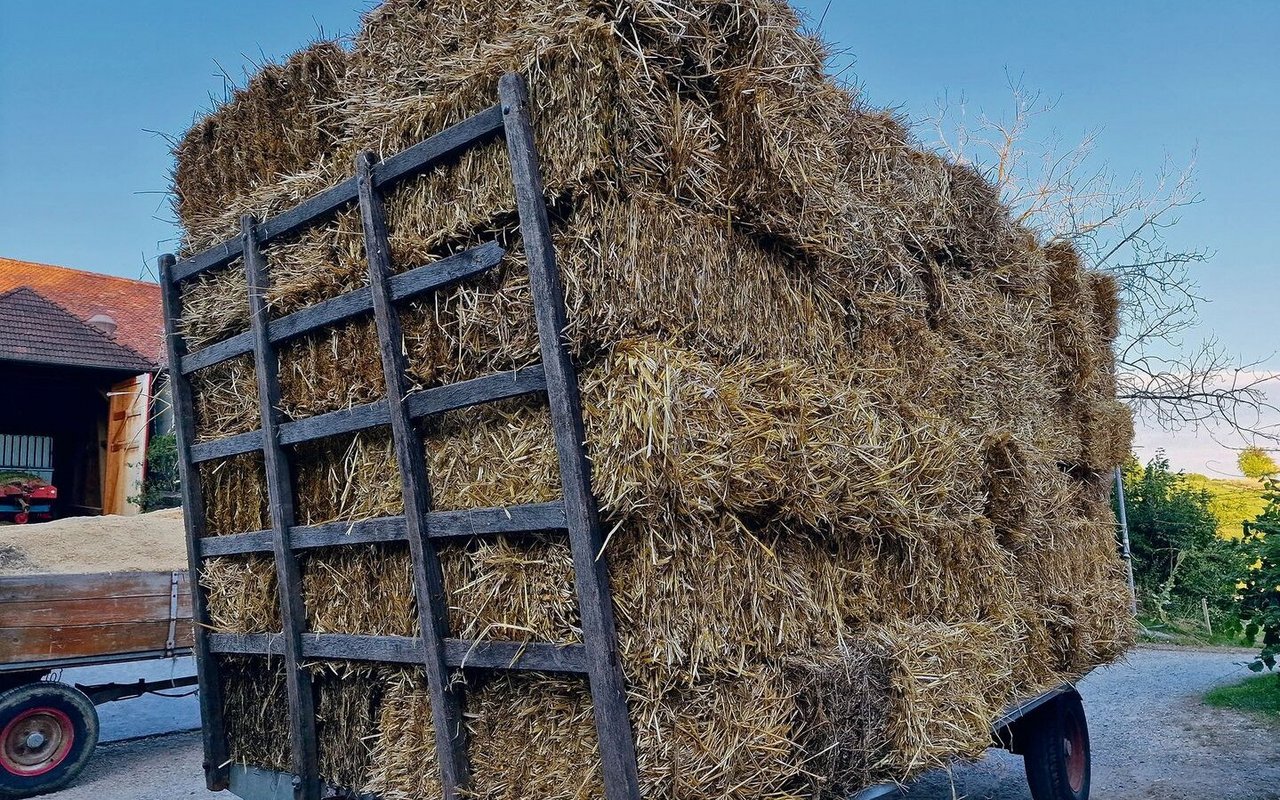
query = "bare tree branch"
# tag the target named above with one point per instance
(1119, 226)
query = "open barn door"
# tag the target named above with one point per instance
(126, 444)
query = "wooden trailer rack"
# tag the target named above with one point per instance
(575, 514)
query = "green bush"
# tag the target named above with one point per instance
(1179, 561)
(1260, 594)
(161, 484)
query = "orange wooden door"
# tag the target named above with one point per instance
(126, 444)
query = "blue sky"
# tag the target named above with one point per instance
(85, 85)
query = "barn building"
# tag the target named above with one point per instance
(79, 356)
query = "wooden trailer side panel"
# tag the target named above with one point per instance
(56, 617)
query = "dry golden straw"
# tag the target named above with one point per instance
(849, 423)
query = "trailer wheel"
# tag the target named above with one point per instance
(21, 518)
(47, 734)
(1056, 753)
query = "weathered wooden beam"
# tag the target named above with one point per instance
(531, 518)
(406, 286)
(591, 576)
(213, 729)
(347, 420)
(486, 389)
(218, 352)
(226, 447)
(459, 653)
(302, 728)
(428, 578)
(441, 147)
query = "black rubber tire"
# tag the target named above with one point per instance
(1056, 735)
(70, 707)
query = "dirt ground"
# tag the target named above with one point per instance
(1151, 736)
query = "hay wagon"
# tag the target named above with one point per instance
(1049, 730)
(48, 729)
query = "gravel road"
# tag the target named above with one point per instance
(1152, 738)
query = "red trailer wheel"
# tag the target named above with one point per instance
(21, 518)
(1056, 752)
(36, 741)
(47, 734)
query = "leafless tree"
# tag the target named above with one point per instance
(1169, 375)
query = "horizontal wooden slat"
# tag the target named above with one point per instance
(417, 159)
(532, 518)
(307, 212)
(226, 447)
(367, 531)
(217, 256)
(334, 423)
(90, 586)
(248, 644)
(235, 544)
(441, 147)
(94, 611)
(405, 286)
(237, 345)
(536, 656)
(487, 389)
(306, 537)
(82, 641)
(319, 315)
(539, 656)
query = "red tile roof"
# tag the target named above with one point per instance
(134, 305)
(37, 330)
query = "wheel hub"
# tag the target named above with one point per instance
(36, 741)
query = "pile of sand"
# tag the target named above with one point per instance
(153, 542)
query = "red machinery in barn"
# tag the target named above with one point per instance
(26, 477)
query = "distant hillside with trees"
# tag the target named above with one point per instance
(1233, 501)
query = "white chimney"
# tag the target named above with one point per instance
(105, 323)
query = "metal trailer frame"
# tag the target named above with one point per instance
(421, 527)
(18, 676)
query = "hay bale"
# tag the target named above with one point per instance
(846, 417)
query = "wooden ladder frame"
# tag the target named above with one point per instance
(420, 526)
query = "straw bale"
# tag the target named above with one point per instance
(256, 710)
(348, 703)
(730, 740)
(277, 124)
(847, 418)
(403, 755)
(235, 494)
(360, 589)
(225, 399)
(242, 592)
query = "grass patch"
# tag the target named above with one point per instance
(1259, 694)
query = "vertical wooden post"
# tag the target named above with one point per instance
(428, 578)
(591, 577)
(213, 728)
(302, 728)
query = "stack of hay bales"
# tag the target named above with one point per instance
(850, 425)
